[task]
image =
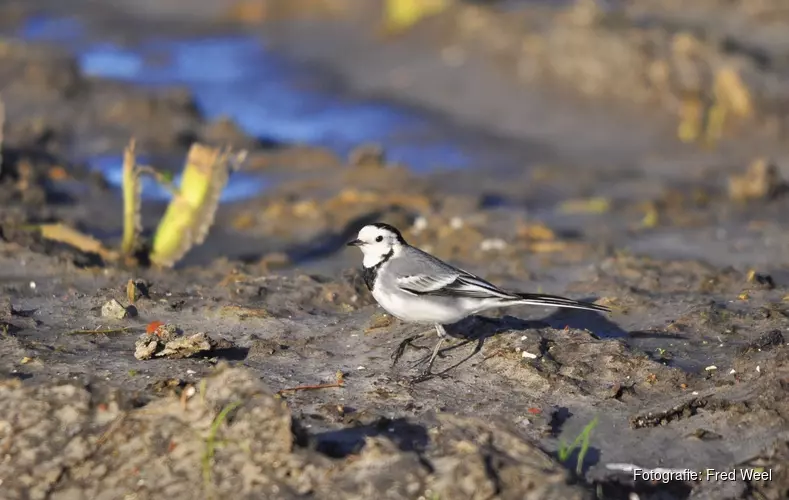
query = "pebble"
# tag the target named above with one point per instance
(492, 244)
(420, 224)
(113, 309)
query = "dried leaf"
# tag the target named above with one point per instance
(131, 291)
(596, 205)
(548, 246)
(761, 180)
(81, 241)
(651, 216)
(539, 232)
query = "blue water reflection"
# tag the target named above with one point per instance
(236, 76)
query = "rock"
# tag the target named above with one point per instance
(166, 342)
(107, 456)
(234, 438)
(185, 347)
(145, 350)
(473, 457)
(113, 309)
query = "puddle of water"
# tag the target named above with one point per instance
(240, 185)
(236, 76)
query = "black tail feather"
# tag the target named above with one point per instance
(556, 301)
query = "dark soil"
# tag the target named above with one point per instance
(582, 197)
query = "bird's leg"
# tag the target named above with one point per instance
(427, 372)
(398, 353)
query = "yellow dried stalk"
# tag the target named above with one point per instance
(132, 201)
(690, 118)
(76, 239)
(191, 212)
(400, 15)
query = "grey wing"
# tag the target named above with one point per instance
(426, 275)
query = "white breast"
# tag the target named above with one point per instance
(417, 309)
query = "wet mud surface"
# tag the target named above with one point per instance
(261, 367)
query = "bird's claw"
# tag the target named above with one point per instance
(425, 359)
(398, 353)
(426, 375)
(422, 377)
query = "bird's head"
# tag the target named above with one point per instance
(378, 242)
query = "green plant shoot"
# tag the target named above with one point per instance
(191, 211)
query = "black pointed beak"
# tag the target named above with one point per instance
(355, 243)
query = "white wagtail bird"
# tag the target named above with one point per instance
(416, 287)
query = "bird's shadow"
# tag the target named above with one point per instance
(477, 329)
(343, 442)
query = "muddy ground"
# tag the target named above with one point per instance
(602, 203)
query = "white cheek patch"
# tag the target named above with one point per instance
(371, 260)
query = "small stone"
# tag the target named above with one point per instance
(492, 244)
(420, 224)
(113, 309)
(145, 350)
(186, 346)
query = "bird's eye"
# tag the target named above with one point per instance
(379, 239)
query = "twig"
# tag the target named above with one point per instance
(494, 354)
(339, 383)
(112, 428)
(160, 178)
(100, 331)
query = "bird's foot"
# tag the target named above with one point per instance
(398, 353)
(422, 377)
(425, 375)
(426, 359)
